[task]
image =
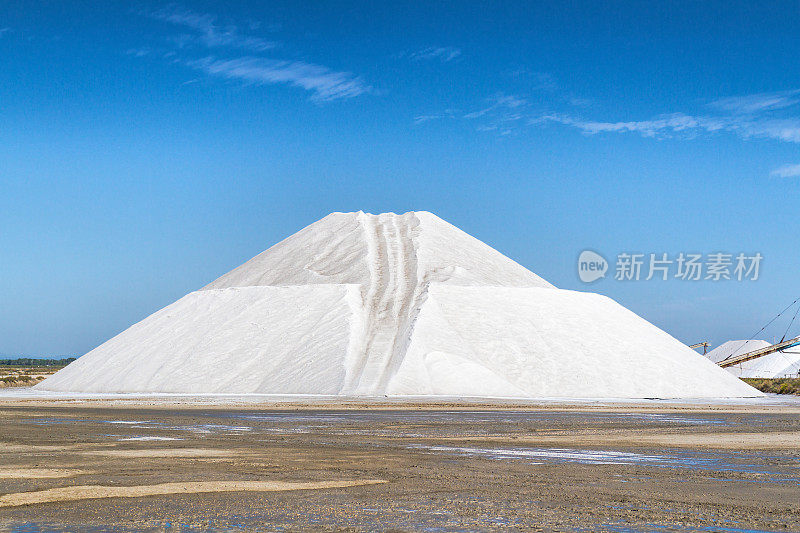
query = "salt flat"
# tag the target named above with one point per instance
(599, 467)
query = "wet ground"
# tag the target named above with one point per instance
(76, 466)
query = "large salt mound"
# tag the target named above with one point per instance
(398, 305)
(784, 364)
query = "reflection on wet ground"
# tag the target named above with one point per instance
(768, 466)
(476, 417)
(405, 423)
(658, 528)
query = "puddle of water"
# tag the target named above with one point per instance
(403, 423)
(244, 524)
(34, 527)
(147, 437)
(220, 427)
(461, 417)
(196, 428)
(601, 457)
(657, 528)
(668, 419)
(46, 421)
(706, 461)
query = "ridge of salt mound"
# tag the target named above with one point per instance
(370, 305)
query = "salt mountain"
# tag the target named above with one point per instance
(783, 364)
(372, 305)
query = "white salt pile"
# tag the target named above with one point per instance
(784, 364)
(372, 305)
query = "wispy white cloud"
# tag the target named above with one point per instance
(787, 130)
(674, 123)
(772, 116)
(139, 52)
(501, 114)
(208, 32)
(578, 101)
(498, 102)
(239, 56)
(505, 113)
(754, 116)
(536, 80)
(446, 114)
(786, 171)
(324, 83)
(757, 103)
(439, 53)
(421, 119)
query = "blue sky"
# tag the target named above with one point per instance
(147, 148)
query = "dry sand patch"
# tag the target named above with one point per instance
(6, 447)
(166, 452)
(38, 473)
(787, 440)
(86, 492)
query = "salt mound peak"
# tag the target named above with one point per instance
(364, 249)
(394, 305)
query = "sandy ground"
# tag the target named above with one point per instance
(91, 492)
(72, 466)
(37, 473)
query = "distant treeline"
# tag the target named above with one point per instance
(27, 361)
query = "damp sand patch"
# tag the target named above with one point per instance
(88, 492)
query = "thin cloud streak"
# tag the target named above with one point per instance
(755, 116)
(786, 171)
(538, 80)
(138, 52)
(757, 103)
(203, 33)
(211, 35)
(680, 124)
(444, 54)
(509, 113)
(498, 102)
(421, 119)
(447, 114)
(663, 125)
(502, 111)
(325, 84)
